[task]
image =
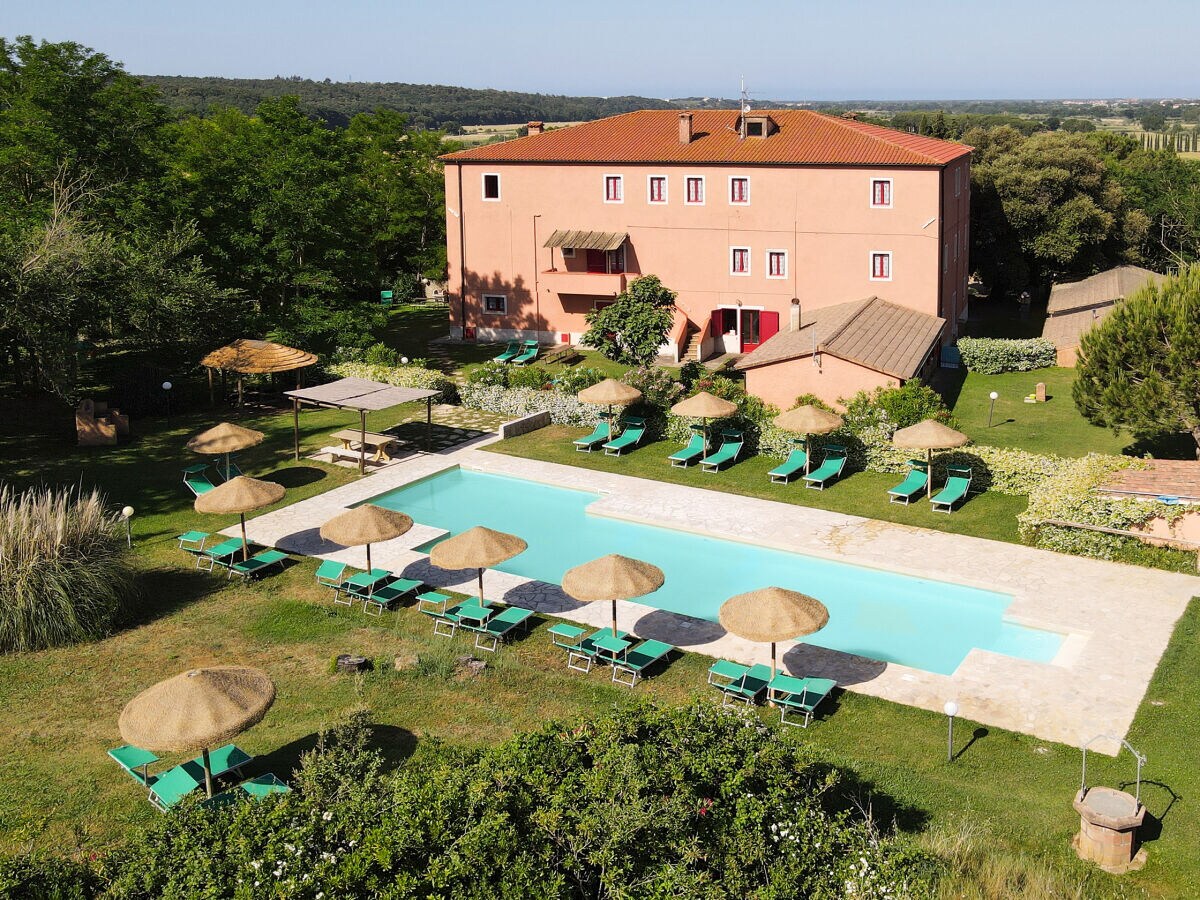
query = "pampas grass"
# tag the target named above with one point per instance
(64, 571)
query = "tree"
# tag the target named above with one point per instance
(1139, 369)
(1153, 120)
(633, 328)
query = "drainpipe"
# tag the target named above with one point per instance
(537, 293)
(462, 254)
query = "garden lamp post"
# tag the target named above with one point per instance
(951, 710)
(993, 397)
(166, 386)
(127, 515)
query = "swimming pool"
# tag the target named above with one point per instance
(925, 624)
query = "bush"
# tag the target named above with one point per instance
(991, 356)
(691, 372)
(572, 381)
(564, 409)
(894, 408)
(381, 355)
(401, 376)
(490, 374)
(657, 386)
(534, 377)
(64, 572)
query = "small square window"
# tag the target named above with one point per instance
(695, 190)
(881, 266)
(568, 252)
(881, 192)
(739, 190)
(754, 129)
(614, 189)
(777, 264)
(495, 304)
(491, 186)
(656, 189)
(739, 260)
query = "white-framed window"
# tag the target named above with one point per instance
(491, 185)
(568, 252)
(881, 193)
(777, 264)
(881, 265)
(958, 181)
(694, 190)
(739, 190)
(495, 304)
(739, 260)
(656, 188)
(614, 189)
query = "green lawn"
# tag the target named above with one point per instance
(60, 791)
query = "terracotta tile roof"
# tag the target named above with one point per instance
(804, 138)
(1163, 477)
(882, 336)
(1102, 288)
(1066, 329)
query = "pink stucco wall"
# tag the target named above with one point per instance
(822, 217)
(833, 380)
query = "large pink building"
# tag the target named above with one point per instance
(828, 254)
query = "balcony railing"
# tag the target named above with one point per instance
(590, 284)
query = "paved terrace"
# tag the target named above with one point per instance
(1118, 619)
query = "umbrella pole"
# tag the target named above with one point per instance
(296, 427)
(614, 616)
(212, 400)
(807, 454)
(241, 394)
(368, 557)
(928, 473)
(428, 424)
(481, 600)
(245, 543)
(207, 772)
(772, 659)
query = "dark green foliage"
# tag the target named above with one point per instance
(633, 328)
(42, 876)
(895, 408)
(691, 372)
(811, 400)
(1139, 369)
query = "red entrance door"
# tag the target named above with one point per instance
(757, 326)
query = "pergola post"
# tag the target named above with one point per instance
(429, 430)
(212, 400)
(362, 442)
(296, 426)
(241, 394)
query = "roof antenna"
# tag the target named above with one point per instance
(744, 108)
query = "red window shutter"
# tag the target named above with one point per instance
(768, 324)
(776, 263)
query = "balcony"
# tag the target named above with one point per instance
(587, 284)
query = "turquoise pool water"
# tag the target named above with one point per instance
(928, 625)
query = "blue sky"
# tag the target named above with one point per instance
(836, 49)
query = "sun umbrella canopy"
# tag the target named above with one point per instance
(808, 420)
(365, 525)
(612, 577)
(197, 709)
(240, 495)
(929, 435)
(476, 548)
(610, 392)
(704, 406)
(225, 438)
(773, 614)
(252, 357)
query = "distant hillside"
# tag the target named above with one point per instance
(426, 105)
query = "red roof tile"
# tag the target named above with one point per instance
(804, 138)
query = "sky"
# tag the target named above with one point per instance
(799, 50)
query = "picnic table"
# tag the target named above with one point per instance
(353, 440)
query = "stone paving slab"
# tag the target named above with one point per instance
(1117, 619)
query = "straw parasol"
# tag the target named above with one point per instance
(704, 406)
(614, 578)
(198, 709)
(366, 525)
(240, 495)
(476, 548)
(252, 357)
(773, 614)
(224, 439)
(610, 393)
(807, 420)
(929, 435)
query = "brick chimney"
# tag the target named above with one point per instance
(535, 127)
(794, 315)
(685, 128)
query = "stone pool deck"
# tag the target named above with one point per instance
(1117, 619)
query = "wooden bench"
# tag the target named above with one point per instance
(377, 444)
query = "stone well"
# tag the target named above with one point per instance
(1108, 824)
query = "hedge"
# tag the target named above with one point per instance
(991, 356)
(400, 376)
(564, 409)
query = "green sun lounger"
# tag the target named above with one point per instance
(731, 446)
(379, 598)
(726, 671)
(581, 657)
(914, 483)
(749, 687)
(637, 660)
(529, 352)
(229, 474)
(331, 573)
(799, 696)
(830, 468)
(469, 612)
(220, 554)
(630, 436)
(255, 565)
(958, 483)
(498, 627)
(600, 434)
(511, 352)
(135, 761)
(783, 473)
(360, 581)
(566, 636)
(169, 788)
(264, 786)
(193, 541)
(695, 449)
(196, 480)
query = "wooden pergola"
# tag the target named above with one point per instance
(246, 356)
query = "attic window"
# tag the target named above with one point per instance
(760, 126)
(754, 129)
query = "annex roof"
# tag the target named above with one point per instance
(586, 240)
(1067, 329)
(803, 138)
(359, 393)
(1100, 289)
(874, 333)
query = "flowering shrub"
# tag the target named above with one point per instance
(893, 408)
(564, 409)
(534, 377)
(572, 381)
(401, 376)
(991, 356)
(490, 374)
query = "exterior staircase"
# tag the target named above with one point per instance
(691, 345)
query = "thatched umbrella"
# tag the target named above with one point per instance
(929, 435)
(198, 709)
(224, 439)
(366, 525)
(806, 420)
(253, 357)
(240, 495)
(610, 393)
(614, 578)
(476, 548)
(704, 406)
(773, 614)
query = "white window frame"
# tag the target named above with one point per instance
(891, 192)
(483, 187)
(567, 252)
(890, 265)
(620, 188)
(666, 183)
(729, 196)
(484, 298)
(767, 265)
(703, 190)
(749, 260)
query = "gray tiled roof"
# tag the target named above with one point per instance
(1099, 290)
